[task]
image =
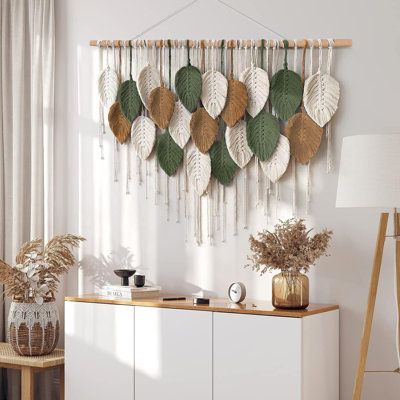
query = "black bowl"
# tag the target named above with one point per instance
(124, 274)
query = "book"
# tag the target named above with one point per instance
(130, 292)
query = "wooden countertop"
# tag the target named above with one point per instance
(217, 305)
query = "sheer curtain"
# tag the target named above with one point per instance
(26, 141)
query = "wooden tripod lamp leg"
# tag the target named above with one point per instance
(373, 288)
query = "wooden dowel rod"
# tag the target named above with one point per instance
(217, 43)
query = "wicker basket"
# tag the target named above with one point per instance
(33, 329)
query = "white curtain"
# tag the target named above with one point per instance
(26, 139)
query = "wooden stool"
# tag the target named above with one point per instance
(30, 365)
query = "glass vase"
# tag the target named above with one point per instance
(290, 290)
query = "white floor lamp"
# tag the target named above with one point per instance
(369, 176)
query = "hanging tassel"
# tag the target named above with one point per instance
(257, 172)
(178, 196)
(294, 210)
(308, 188)
(128, 167)
(116, 160)
(209, 217)
(166, 195)
(245, 198)
(235, 210)
(223, 215)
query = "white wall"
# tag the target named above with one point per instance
(90, 203)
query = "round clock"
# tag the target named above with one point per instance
(237, 292)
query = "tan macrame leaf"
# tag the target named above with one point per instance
(143, 136)
(203, 129)
(213, 92)
(198, 167)
(236, 102)
(179, 126)
(119, 124)
(236, 142)
(257, 84)
(148, 80)
(108, 87)
(304, 136)
(161, 106)
(277, 164)
(321, 97)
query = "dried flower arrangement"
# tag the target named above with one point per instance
(35, 277)
(290, 248)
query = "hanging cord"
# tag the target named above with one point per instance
(308, 185)
(116, 144)
(128, 143)
(294, 188)
(102, 126)
(256, 161)
(245, 186)
(266, 183)
(328, 127)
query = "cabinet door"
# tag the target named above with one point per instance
(173, 354)
(99, 351)
(256, 357)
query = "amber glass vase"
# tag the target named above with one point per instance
(290, 291)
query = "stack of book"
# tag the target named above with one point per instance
(130, 292)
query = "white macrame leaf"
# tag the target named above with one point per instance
(143, 136)
(148, 79)
(257, 84)
(108, 87)
(277, 164)
(179, 125)
(321, 97)
(198, 167)
(236, 142)
(213, 92)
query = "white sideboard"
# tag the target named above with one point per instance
(176, 351)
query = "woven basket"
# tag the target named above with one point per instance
(33, 329)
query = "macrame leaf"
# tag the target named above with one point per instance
(179, 126)
(188, 86)
(169, 154)
(277, 164)
(213, 92)
(148, 79)
(203, 129)
(198, 167)
(321, 97)
(129, 99)
(108, 87)
(161, 106)
(236, 142)
(143, 134)
(223, 168)
(263, 134)
(120, 126)
(286, 93)
(236, 102)
(304, 136)
(257, 84)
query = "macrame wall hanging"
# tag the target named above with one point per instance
(195, 113)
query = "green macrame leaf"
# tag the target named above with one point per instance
(129, 100)
(188, 86)
(286, 93)
(263, 134)
(169, 154)
(223, 168)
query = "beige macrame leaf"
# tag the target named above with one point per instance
(203, 129)
(236, 102)
(236, 142)
(148, 80)
(179, 126)
(161, 106)
(321, 97)
(213, 92)
(277, 164)
(257, 84)
(198, 167)
(108, 87)
(119, 124)
(143, 136)
(304, 136)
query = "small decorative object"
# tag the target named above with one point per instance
(292, 250)
(108, 85)
(139, 280)
(124, 274)
(277, 164)
(119, 124)
(143, 135)
(237, 292)
(286, 90)
(213, 92)
(203, 129)
(236, 142)
(199, 301)
(33, 323)
(179, 126)
(198, 167)
(222, 166)
(169, 154)
(263, 134)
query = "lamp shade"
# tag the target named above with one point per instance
(369, 174)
